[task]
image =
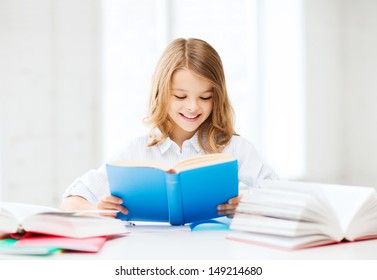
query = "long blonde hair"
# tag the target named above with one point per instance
(201, 58)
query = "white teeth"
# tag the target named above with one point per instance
(189, 117)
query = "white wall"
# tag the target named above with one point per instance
(324, 126)
(50, 85)
(359, 89)
(281, 86)
(341, 91)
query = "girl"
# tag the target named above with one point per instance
(190, 114)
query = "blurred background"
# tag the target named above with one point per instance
(75, 79)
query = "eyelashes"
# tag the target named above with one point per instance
(179, 97)
(206, 98)
(183, 97)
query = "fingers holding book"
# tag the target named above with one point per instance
(110, 202)
(228, 209)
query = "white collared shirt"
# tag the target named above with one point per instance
(93, 185)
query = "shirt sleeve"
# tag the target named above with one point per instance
(94, 184)
(251, 168)
(91, 186)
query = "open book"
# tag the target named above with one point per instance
(185, 193)
(20, 218)
(300, 214)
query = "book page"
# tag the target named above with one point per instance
(346, 201)
(343, 201)
(140, 163)
(281, 242)
(19, 211)
(279, 227)
(321, 205)
(75, 226)
(283, 204)
(189, 163)
(202, 160)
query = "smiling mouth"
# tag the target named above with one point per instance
(190, 118)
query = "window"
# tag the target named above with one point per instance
(259, 43)
(281, 86)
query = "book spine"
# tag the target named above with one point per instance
(174, 196)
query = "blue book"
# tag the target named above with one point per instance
(188, 192)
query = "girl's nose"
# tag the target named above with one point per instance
(191, 105)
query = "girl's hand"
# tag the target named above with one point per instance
(109, 202)
(228, 209)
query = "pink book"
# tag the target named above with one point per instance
(91, 244)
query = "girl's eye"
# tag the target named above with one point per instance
(206, 98)
(179, 97)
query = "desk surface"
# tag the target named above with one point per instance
(183, 244)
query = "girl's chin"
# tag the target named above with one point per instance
(187, 129)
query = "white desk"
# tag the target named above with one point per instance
(183, 244)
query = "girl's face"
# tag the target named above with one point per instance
(191, 103)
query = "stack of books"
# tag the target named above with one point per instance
(40, 230)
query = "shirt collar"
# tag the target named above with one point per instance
(194, 141)
(168, 143)
(164, 146)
